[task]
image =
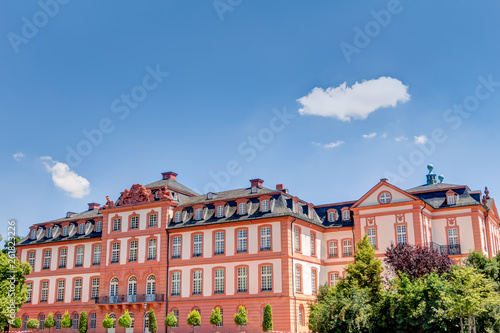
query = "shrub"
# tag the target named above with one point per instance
(267, 320)
(125, 320)
(82, 324)
(194, 319)
(170, 320)
(241, 317)
(107, 322)
(33, 324)
(153, 326)
(215, 318)
(49, 322)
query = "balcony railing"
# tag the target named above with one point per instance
(451, 249)
(141, 298)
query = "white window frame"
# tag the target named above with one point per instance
(115, 252)
(401, 234)
(242, 279)
(134, 222)
(198, 245)
(197, 282)
(117, 224)
(265, 206)
(265, 238)
(242, 241)
(153, 220)
(266, 276)
(220, 211)
(152, 249)
(61, 284)
(176, 284)
(97, 254)
(176, 247)
(242, 208)
(219, 275)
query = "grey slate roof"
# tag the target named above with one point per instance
(225, 195)
(437, 198)
(433, 187)
(70, 237)
(86, 215)
(171, 183)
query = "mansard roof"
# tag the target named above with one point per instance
(171, 184)
(226, 195)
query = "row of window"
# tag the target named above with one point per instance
(65, 230)
(134, 222)
(63, 257)
(133, 250)
(61, 290)
(221, 211)
(333, 215)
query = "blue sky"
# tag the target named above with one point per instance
(214, 85)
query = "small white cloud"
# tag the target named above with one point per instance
(18, 156)
(421, 139)
(369, 136)
(64, 178)
(356, 102)
(334, 144)
(401, 138)
(383, 136)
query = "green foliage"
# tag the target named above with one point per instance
(267, 319)
(194, 319)
(82, 323)
(33, 324)
(17, 323)
(13, 290)
(241, 317)
(125, 320)
(107, 322)
(490, 267)
(66, 321)
(170, 320)
(49, 322)
(153, 326)
(10, 244)
(215, 318)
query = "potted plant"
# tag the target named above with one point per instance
(126, 321)
(267, 319)
(153, 326)
(83, 325)
(33, 324)
(194, 319)
(170, 320)
(49, 322)
(66, 321)
(16, 323)
(108, 324)
(215, 318)
(241, 318)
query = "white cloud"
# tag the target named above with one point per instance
(401, 138)
(369, 136)
(383, 136)
(421, 139)
(356, 102)
(334, 144)
(64, 178)
(18, 156)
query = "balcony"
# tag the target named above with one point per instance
(451, 249)
(129, 299)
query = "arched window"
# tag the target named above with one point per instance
(146, 323)
(301, 315)
(132, 323)
(150, 288)
(132, 289)
(113, 316)
(113, 290)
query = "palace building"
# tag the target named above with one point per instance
(164, 246)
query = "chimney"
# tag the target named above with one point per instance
(280, 187)
(93, 206)
(69, 214)
(256, 182)
(385, 180)
(431, 177)
(169, 175)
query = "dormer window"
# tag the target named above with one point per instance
(294, 206)
(177, 216)
(242, 208)
(332, 216)
(81, 228)
(254, 189)
(451, 197)
(451, 200)
(65, 230)
(385, 197)
(309, 212)
(345, 215)
(98, 226)
(33, 234)
(49, 232)
(264, 206)
(210, 195)
(197, 214)
(220, 211)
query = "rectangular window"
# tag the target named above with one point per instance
(45, 291)
(63, 254)
(81, 228)
(33, 234)
(265, 206)
(29, 286)
(133, 252)
(453, 245)
(219, 243)
(298, 279)
(98, 226)
(266, 275)
(115, 254)
(296, 239)
(60, 290)
(97, 255)
(198, 214)
(334, 278)
(265, 239)
(176, 314)
(95, 288)
(242, 208)
(197, 282)
(313, 244)
(242, 279)
(41, 323)
(242, 244)
(153, 220)
(77, 295)
(134, 222)
(58, 321)
(79, 256)
(347, 247)
(176, 247)
(31, 259)
(451, 200)
(49, 232)
(46, 259)
(177, 217)
(331, 217)
(332, 249)
(117, 224)
(219, 281)
(220, 211)
(152, 249)
(93, 321)
(65, 230)
(401, 234)
(345, 215)
(75, 321)
(176, 283)
(197, 245)
(372, 237)
(314, 282)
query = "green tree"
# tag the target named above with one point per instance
(194, 319)
(171, 320)
(82, 324)
(49, 322)
(267, 319)
(241, 317)
(107, 322)
(33, 324)
(365, 271)
(125, 320)
(215, 317)
(13, 290)
(17, 323)
(153, 326)
(490, 267)
(66, 322)
(10, 244)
